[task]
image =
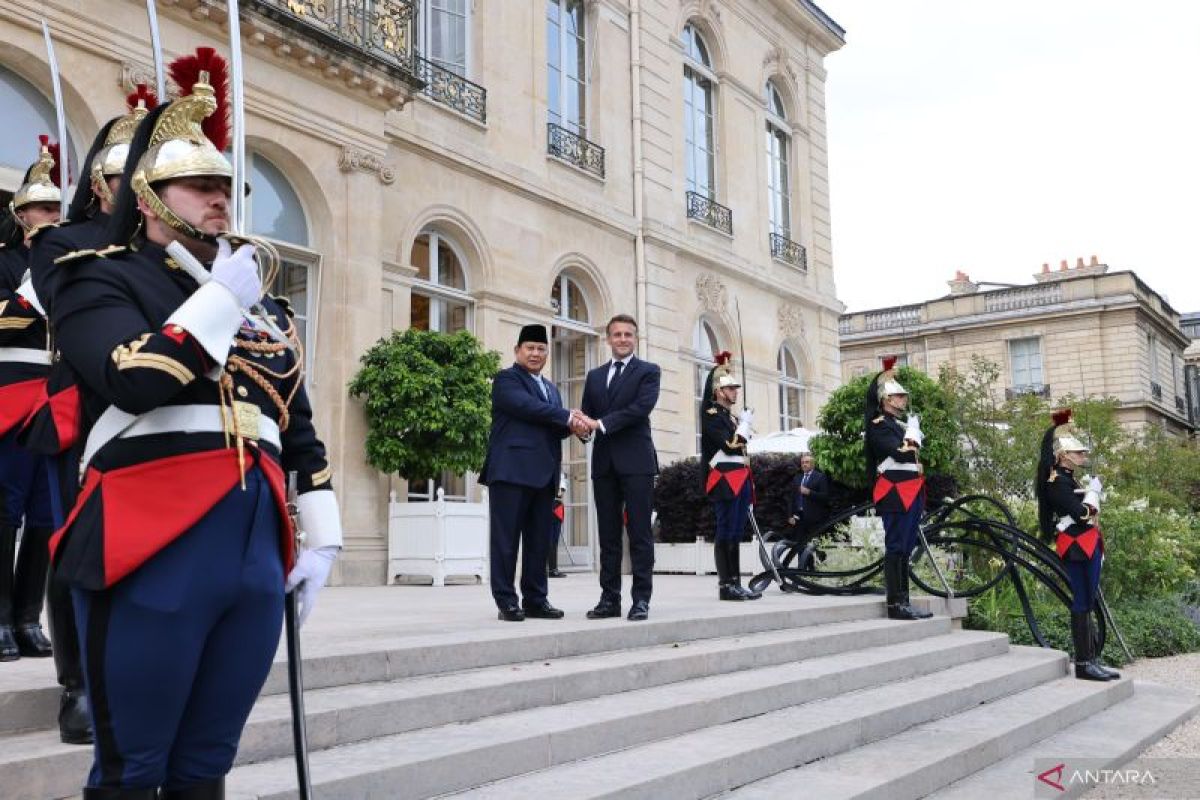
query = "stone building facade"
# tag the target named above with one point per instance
(483, 164)
(1081, 330)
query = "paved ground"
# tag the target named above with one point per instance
(1183, 672)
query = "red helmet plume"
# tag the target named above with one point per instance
(55, 152)
(723, 357)
(185, 71)
(889, 362)
(143, 96)
(1061, 417)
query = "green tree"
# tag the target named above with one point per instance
(427, 397)
(839, 448)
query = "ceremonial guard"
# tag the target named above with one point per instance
(24, 364)
(1070, 509)
(894, 468)
(559, 514)
(728, 483)
(178, 545)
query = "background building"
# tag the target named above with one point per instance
(1190, 323)
(1078, 330)
(483, 164)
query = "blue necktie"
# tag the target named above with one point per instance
(616, 376)
(542, 388)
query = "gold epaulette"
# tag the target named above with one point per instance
(80, 255)
(711, 411)
(45, 226)
(878, 419)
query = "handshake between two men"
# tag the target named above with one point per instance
(581, 424)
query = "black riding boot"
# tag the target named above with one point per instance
(893, 583)
(552, 570)
(916, 612)
(8, 548)
(1111, 673)
(74, 716)
(209, 790)
(29, 592)
(725, 589)
(734, 556)
(1081, 638)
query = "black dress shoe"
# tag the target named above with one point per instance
(728, 591)
(604, 610)
(74, 719)
(511, 614)
(639, 611)
(556, 573)
(543, 610)
(8, 644)
(32, 642)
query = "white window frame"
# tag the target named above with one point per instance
(426, 17)
(1152, 346)
(311, 261)
(789, 382)
(702, 364)
(579, 126)
(779, 214)
(694, 71)
(1013, 344)
(434, 290)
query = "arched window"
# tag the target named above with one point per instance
(573, 353)
(699, 84)
(27, 113)
(566, 64)
(705, 347)
(274, 212)
(439, 294)
(791, 390)
(778, 183)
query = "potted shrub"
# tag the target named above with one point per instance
(427, 397)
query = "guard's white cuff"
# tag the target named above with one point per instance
(212, 317)
(320, 519)
(1092, 498)
(26, 291)
(603, 429)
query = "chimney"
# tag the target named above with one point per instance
(1094, 267)
(962, 284)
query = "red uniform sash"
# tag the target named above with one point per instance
(1087, 541)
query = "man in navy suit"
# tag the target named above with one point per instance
(521, 472)
(617, 400)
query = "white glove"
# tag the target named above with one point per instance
(745, 421)
(1094, 485)
(238, 273)
(309, 576)
(26, 291)
(1094, 494)
(912, 430)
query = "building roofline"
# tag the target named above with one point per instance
(826, 20)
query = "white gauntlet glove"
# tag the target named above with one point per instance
(745, 420)
(238, 273)
(309, 576)
(26, 291)
(1094, 494)
(912, 430)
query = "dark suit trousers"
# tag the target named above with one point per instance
(520, 515)
(616, 494)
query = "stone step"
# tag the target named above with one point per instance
(347, 714)
(965, 667)
(1108, 740)
(928, 757)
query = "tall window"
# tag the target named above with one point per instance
(698, 83)
(1025, 356)
(445, 31)
(573, 353)
(704, 351)
(566, 64)
(27, 113)
(1152, 347)
(439, 294)
(275, 213)
(791, 390)
(1174, 374)
(778, 185)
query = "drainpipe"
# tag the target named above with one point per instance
(639, 238)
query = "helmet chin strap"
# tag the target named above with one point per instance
(168, 217)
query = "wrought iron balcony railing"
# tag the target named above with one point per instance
(710, 212)
(1037, 389)
(785, 249)
(379, 32)
(451, 89)
(1155, 390)
(574, 149)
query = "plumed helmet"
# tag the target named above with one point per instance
(41, 182)
(109, 162)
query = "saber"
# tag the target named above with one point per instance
(60, 117)
(936, 567)
(160, 75)
(764, 553)
(295, 668)
(238, 196)
(741, 352)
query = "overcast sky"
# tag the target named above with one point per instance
(993, 137)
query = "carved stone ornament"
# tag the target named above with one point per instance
(776, 61)
(712, 293)
(710, 10)
(133, 74)
(791, 321)
(352, 159)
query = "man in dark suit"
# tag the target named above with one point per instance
(810, 499)
(617, 400)
(521, 472)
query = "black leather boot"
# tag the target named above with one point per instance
(1112, 674)
(120, 794)
(29, 592)
(552, 570)
(209, 790)
(1081, 638)
(733, 555)
(725, 590)
(74, 715)
(905, 601)
(893, 584)
(8, 548)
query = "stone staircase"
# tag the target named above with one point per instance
(788, 695)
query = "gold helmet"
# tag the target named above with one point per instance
(189, 135)
(722, 376)
(41, 185)
(110, 161)
(886, 380)
(1065, 439)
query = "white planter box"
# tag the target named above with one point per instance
(438, 539)
(696, 558)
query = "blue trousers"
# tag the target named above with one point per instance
(732, 515)
(900, 528)
(175, 654)
(24, 486)
(1084, 577)
(520, 518)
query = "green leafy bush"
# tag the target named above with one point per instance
(428, 402)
